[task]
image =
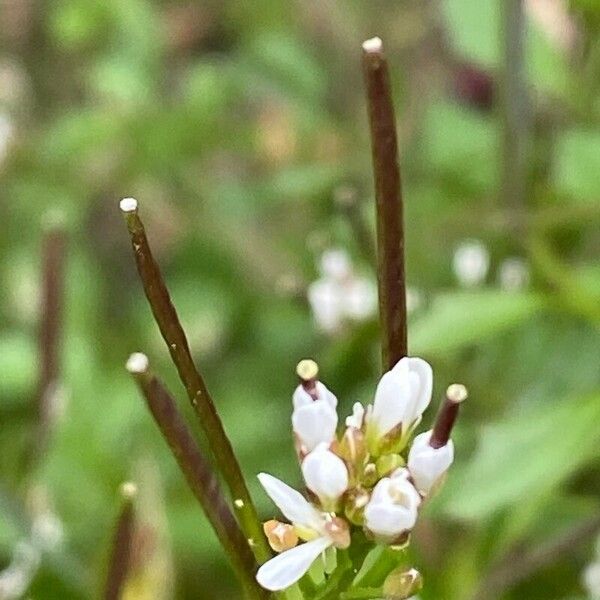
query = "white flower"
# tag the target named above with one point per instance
(359, 298)
(513, 274)
(393, 507)
(336, 264)
(357, 417)
(325, 475)
(326, 304)
(471, 263)
(340, 294)
(403, 393)
(426, 464)
(314, 421)
(289, 566)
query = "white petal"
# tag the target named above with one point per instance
(293, 505)
(391, 400)
(315, 423)
(301, 397)
(389, 520)
(286, 568)
(324, 393)
(427, 464)
(357, 416)
(393, 506)
(421, 384)
(325, 474)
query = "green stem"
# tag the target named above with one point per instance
(172, 332)
(198, 473)
(388, 202)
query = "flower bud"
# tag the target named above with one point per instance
(369, 477)
(281, 536)
(325, 475)
(353, 449)
(400, 584)
(403, 393)
(314, 423)
(428, 465)
(393, 507)
(354, 507)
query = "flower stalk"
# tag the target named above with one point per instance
(198, 474)
(51, 305)
(388, 203)
(121, 550)
(172, 332)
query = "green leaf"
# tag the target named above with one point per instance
(577, 170)
(458, 319)
(528, 454)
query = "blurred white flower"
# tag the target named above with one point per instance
(393, 507)
(402, 395)
(16, 578)
(325, 475)
(426, 464)
(340, 294)
(513, 274)
(414, 299)
(319, 530)
(6, 136)
(471, 263)
(553, 17)
(591, 580)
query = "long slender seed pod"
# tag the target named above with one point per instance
(198, 474)
(121, 549)
(172, 332)
(388, 203)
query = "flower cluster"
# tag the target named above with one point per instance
(369, 478)
(340, 294)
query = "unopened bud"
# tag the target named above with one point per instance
(353, 449)
(339, 531)
(281, 536)
(369, 478)
(354, 507)
(400, 584)
(388, 463)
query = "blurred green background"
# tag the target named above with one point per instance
(239, 126)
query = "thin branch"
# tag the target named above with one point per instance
(388, 200)
(198, 474)
(516, 114)
(121, 549)
(172, 332)
(51, 320)
(519, 565)
(347, 202)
